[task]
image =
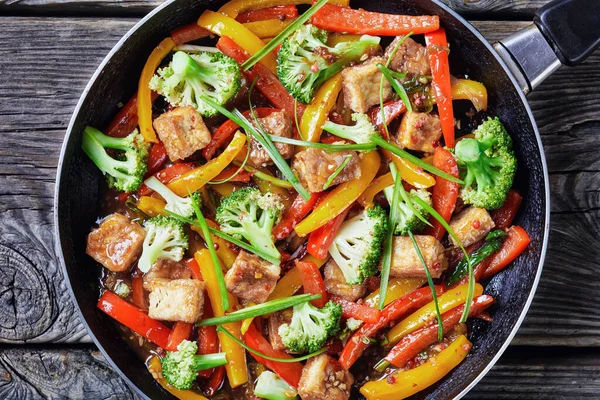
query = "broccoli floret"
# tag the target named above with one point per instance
(122, 289)
(488, 165)
(304, 61)
(125, 172)
(180, 368)
(165, 238)
(357, 247)
(408, 221)
(359, 133)
(271, 387)
(310, 327)
(183, 206)
(251, 215)
(190, 76)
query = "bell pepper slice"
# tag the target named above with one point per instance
(235, 7)
(447, 301)
(233, 174)
(155, 367)
(198, 177)
(151, 206)
(292, 281)
(321, 239)
(406, 383)
(312, 282)
(133, 318)
(144, 94)
(380, 183)
(298, 210)
(215, 382)
(505, 215)
(341, 197)
(236, 369)
(411, 174)
(466, 89)
(194, 268)
(445, 193)
(208, 341)
(181, 331)
(358, 311)
(156, 159)
(391, 110)
(126, 119)
(515, 243)
(397, 287)
(226, 255)
(137, 292)
(224, 189)
(349, 20)
(276, 12)
(167, 175)
(188, 33)
(269, 28)
(316, 113)
(223, 25)
(437, 53)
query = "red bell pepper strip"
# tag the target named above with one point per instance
(362, 312)
(137, 292)
(214, 383)
(350, 20)
(181, 331)
(445, 192)
(156, 159)
(208, 340)
(167, 175)
(391, 109)
(225, 132)
(188, 33)
(505, 215)
(515, 243)
(437, 52)
(397, 309)
(126, 119)
(296, 213)
(409, 346)
(277, 12)
(312, 281)
(194, 268)
(133, 318)
(268, 83)
(289, 372)
(321, 239)
(233, 174)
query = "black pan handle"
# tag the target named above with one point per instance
(565, 32)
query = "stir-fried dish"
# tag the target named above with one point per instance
(308, 208)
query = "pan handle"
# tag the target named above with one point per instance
(565, 32)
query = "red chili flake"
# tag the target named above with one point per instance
(414, 139)
(437, 266)
(435, 143)
(216, 246)
(466, 347)
(314, 68)
(476, 224)
(419, 169)
(391, 379)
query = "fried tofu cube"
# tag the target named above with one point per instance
(275, 321)
(176, 300)
(182, 131)
(116, 243)
(471, 225)
(406, 262)
(323, 378)
(335, 283)
(277, 124)
(360, 85)
(251, 278)
(419, 131)
(165, 268)
(314, 167)
(410, 58)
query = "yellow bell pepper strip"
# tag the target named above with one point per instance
(224, 189)
(406, 383)
(268, 28)
(452, 298)
(317, 112)
(291, 281)
(155, 368)
(341, 197)
(198, 177)
(226, 255)
(246, 323)
(144, 95)
(235, 7)
(151, 206)
(223, 25)
(237, 371)
(397, 287)
(382, 182)
(466, 89)
(410, 172)
(336, 38)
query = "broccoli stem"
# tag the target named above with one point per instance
(93, 145)
(206, 361)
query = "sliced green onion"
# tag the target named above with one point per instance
(266, 357)
(398, 88)
(241, 166)
(336, 172)
(257, 173)
(296, 118)
(378, 140)
(277, 40)
(407, 199)
(260, 309)
(325, 146)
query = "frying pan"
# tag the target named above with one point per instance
(564, 32)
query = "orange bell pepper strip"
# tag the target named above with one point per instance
(316, 113)
(466, 89)
(515, 243)
(341, 197)
(276, 12)
(312, 282)
(144, 94)
(437, 52)
(349, 20)
(292, 280)
(223, 25)
(235, 7)
(198, 177)
(237, 371)
(151, 206)
(505, 215)
(380, 183)
(226, 255)
(181, 331)
(137, 292)
(406, 383)
(155, 367)
(321, 239)
(411, 174)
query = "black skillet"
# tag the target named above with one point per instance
(565, 31)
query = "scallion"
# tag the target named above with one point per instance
(391, 76)
(324, 146)
(266, 177)
(336, 172)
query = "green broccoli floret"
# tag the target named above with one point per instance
(311, 327)
(190, 76)
(304, 61)
(359, 133)
(180, 368)
(251, 215)
(408, 221)
(165, 238)
(356, 248)
(271, 387)
(488, 165)
(183, 206)
(124, 172)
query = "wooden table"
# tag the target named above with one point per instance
(48, 51)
